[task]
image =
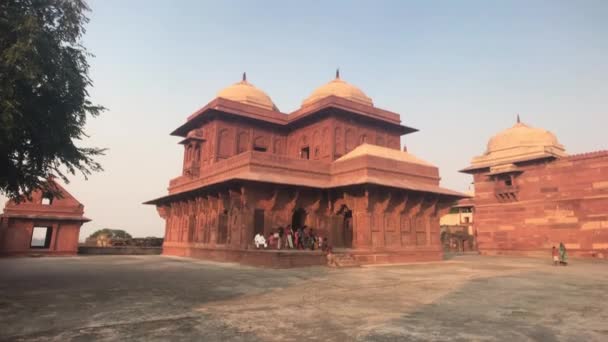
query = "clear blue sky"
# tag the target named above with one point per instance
(459, 71)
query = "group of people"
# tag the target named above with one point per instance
(560, 256)
(289, 238)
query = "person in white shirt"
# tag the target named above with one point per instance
(259, 240)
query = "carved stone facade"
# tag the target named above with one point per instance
(366, 218)
(44, 225)
(334, 165)
(540, 200)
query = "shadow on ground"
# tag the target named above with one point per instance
(110, 298)
(153, 298)
(530, 306)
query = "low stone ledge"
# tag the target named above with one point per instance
(119, 250)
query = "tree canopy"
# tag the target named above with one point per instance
(44, 102)
(111, 233)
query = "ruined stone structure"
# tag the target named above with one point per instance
(457, 232)
(461, 215)
(530, 195)
(44, 225)
(334, 164)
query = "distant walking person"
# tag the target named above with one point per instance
(555, 255)
(563, 255)
(289, 233)
(281, 239)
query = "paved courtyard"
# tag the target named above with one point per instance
(155, 298)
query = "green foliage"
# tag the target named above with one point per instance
(44, 102)
(112, 234)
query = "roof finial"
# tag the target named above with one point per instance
(338, 73)
(518, 121)
(244, 77)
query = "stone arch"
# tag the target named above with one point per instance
(325, 142)
(278, 146)
(203, 152)
(316, 143)
(222, 227)
(188, 152)
(260, 142)
(298, 218)
(303, 149)
(225, 143)
(343, 235)
(243, 142)
(197, 153)
(349, 140)
(338, 146)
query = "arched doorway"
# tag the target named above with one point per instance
(345, 238)
(298, 219)
(222, 231)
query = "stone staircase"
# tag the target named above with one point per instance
(345, 260)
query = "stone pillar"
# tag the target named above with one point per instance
(164, 211)
(412, 212)
(335, 230)
(246, 229)
(405, 229)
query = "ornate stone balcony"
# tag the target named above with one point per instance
(506, 193)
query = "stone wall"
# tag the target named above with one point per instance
(565, 200)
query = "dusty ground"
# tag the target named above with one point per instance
(154, 298)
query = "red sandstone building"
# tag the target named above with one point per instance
(530, 196)
(43, 225)
(334, 164)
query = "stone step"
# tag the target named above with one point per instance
(345, 260)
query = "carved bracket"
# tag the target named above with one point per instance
(401, 203)
(235, 199)
(222, 202)
(293, 202)
(382, 204)
(316, 203)
(443, 207)
(270, 204)
(429, 208)
(164, 211)
(414, 205)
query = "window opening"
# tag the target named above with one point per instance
(41, 237)
(305, 153)
(47, 199)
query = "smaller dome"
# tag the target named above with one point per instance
(521, 135)
(518, 143)
(245, 92)
(340, 88)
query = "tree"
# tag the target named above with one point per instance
(111, 233)
(44, 102)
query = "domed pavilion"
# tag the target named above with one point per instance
(530, 195)
(340, 88)
(245, 92)
(333, 168)
(520, 143)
